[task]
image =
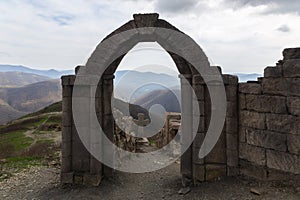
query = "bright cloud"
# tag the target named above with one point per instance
(239, 35)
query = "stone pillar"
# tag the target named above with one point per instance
(198, 100)
(66, 165)
(107, 119)
(231, 123)
(186, 128)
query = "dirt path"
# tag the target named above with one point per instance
(43, 183)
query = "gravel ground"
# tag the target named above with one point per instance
(43, 183)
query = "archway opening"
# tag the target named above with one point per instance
(147, 84)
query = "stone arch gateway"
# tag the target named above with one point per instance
(79, 163)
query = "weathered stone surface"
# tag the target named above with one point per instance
(242, 134)
(283, 161)
(265, 103)
(242, 101)
(67, 178)
(92, 179)
(196, 159)
(252, 119)
(254, 171)
(291, 68)
(291, 53)
(283, 123)
(231, 125)
(231, 109)
(229, 79)
(267, 139)
(253, 154)
(281, 86)
(233, 171)
(218, 154)
(232, 157)
(231, 141)
(250, 88)
(293, 104)
(293, 143)
(145, 20)
(231, 93)
(273, 72)
(199, 173)
(214, 171)
(66, 164)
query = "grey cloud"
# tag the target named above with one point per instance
(175, 6)
(274, 6)
(284, 28)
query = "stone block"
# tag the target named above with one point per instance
(214, 171)
(233, 171)
(250, 88)
(199, 92)
(291, 68)
(145, 20)
(273, 72)
(67, 104)
(281, 86)
(198, 141)
(252, 154)
(67, 178)
(252, 119)
(218, 153)
(199, 173)
(232, 157)
(230, 79)
(242, 101)
(196, 159)
(231, 125)
(293, 104)
(291, 53)
(66, 163)
(232, 110)
(231, 141)
(267, 139)
(80, 164)
(66, 133)
(242, 134)
(293, 143)
(66, 149)
(67, 90)
(266, 103)
(253, 171)
(283, 161)
(231, 93)
(283, 123)
(67, 119)
(92, 179)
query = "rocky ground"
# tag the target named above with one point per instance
(43, 183)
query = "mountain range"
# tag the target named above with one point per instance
(51, 73)
(24, 90)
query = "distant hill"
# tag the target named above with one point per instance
(52, 73)
(131, 85)
(166, 98)
(8, 113)
(17, 79)
(18, 101)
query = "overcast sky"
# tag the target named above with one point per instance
(238, 35)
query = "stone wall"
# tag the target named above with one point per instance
(269, 120)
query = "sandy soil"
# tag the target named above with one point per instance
(43, 183)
